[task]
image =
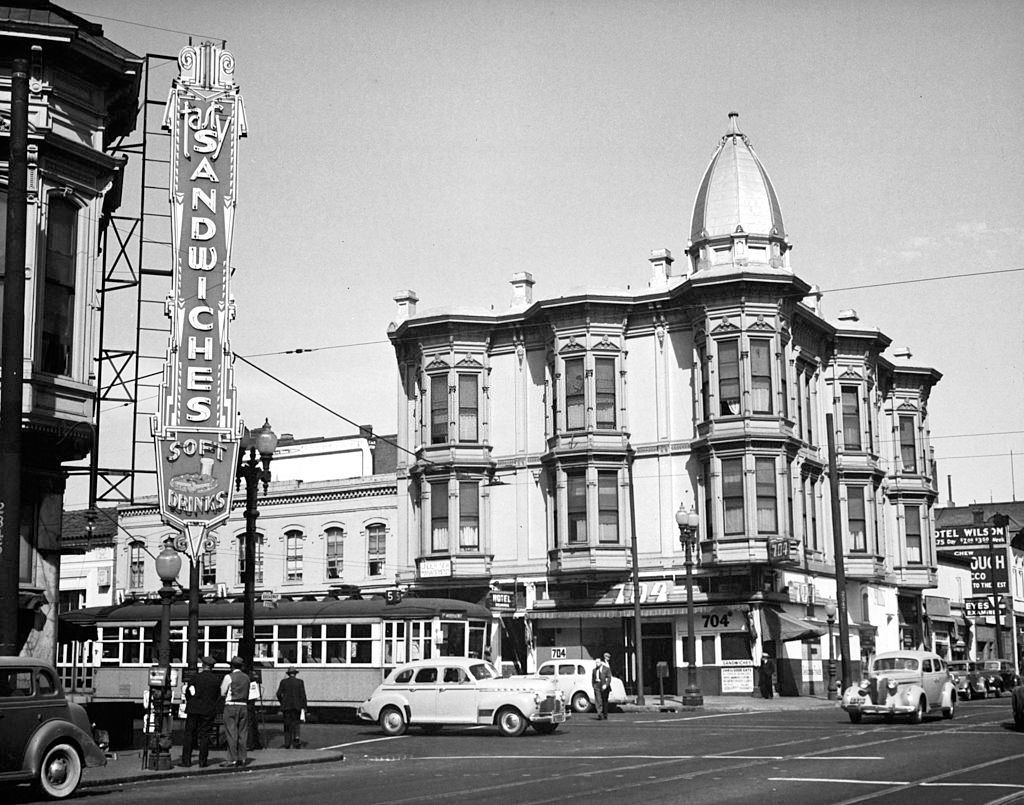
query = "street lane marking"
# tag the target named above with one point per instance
(689, 718)
(367, 741)
(835, 780)
(973, 785)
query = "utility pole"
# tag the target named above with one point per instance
(13, 350)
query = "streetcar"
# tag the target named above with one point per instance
(343, 648)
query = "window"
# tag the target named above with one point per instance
(293, 555)
(208, 567)
(808, 418)
(469, 516)
(469, 401)
(855, 519)
(438, 409)
(605, 382)
(375, 549)
(908, 444)
(729, 377)
(702, 360)
(913, 521)
(335, 541)
(136, 565)
(439, 516)
(575, 395)
(608, 507)
(257, 565)
(70, 600)
(767, 503)
(812, 503)
(732, 495)
(58, 304)
(851, 418)
(761, 375)
(576, 493)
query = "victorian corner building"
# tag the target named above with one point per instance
(539, 443)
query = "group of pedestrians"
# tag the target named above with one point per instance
(203, 697)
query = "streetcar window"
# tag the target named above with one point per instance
(217, 643)
(453, 639)
(287, 645)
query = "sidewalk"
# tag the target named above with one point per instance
(740, 704)
(126, 767)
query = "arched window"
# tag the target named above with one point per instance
(258, 564)
(335, 540)
(293, 555)
(375, 549)
(136, 565)
(208, 567)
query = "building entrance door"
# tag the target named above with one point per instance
(658, 647)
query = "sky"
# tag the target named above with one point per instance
(443, 146)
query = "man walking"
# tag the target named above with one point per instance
(202, 695)
(602, 681)
(291, 693)
(235, 690)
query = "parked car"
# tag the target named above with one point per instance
(456, 690)
(44, 738)
(574, 679)
(1018, 706)
(910, 683)
(969, 681)
(1000, 675)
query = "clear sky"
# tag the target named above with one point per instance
(443, 146)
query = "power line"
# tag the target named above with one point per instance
(151, 27)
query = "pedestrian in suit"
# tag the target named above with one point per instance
(235, 690)
(767, 670)
(602, 681)
(202, 695)
(291, 693)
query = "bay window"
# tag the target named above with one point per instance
(851, 417)
(913, 532)
(469, 516)
(761, 375)
(469, 408)
(575, 395)
(767, 502)
(576, 506)
(608, 507)
(855, 518)
(605, 387)
(732, 495)
(908, 444)
(439, 516)
(438, 409)
(58, 292)
(729, 377)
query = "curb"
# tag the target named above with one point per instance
(145, 775)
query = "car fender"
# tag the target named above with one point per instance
(912, 695)
(50, 732)
(390, 700)
(948, 695)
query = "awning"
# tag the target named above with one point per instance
(606, 612)
(783, 627)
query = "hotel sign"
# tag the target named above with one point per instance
(196, 426)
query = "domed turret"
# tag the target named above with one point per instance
(737, 220)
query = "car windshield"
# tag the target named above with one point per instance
(991, 665)
(896, 664)
(958, 666)
(482, 670)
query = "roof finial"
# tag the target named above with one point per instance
(734, 126)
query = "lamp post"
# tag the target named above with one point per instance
(688, 521)
(168, 563)
(830, 615)
(256, 450)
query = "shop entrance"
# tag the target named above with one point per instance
(659, 646)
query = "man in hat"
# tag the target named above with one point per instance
(291, 693)
(202, 694)
(602, 681)
(235, 690)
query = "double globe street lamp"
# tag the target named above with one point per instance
(830, 616)
(688, 522)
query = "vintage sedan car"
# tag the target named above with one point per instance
(44, 739)
(573, 678)
(969, 681)
(910, 683)
(456, 690)
(1000, 675)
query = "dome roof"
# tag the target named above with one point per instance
(736, 192)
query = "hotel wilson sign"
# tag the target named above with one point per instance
(196, 426)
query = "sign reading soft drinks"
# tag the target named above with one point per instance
(196, 427)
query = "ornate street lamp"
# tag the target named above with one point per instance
(830, 615)
(257, 448)
(688, 522)
(168, 563)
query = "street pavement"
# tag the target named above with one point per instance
(126, 766)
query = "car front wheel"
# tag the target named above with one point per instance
(949, 712)
(580, 702)
(392, 721)
(918, 715)
(511, 722)
(60, 772)
(544, 727)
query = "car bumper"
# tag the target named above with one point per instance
(868, 707)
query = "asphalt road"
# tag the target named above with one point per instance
(795, 757)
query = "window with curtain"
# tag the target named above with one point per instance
(293, 555)
(808, 410)
(912, 516)
(376, 549)
(767, 501)
(258, 564)
(732, 495)
(804, 503)
(58, 305)
(608, 507)
(855, 518)
(334, 541)
(469, 516)
(136, 565)
(208, 568)
(438, 409)
(729, 377)
(469, 408)
(812, 503)
(851, 417)
(576, 506)
(702, 362)
(575, 395)
(761, 375)
(604, 371)
(908, 443)
(439, 516)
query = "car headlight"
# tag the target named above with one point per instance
(892, 686)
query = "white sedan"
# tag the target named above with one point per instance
(456, 690)
(573, 678)
(910, 683)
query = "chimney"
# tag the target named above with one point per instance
(848, 315)
(661, 268)
(522, 289)
(406, 304)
